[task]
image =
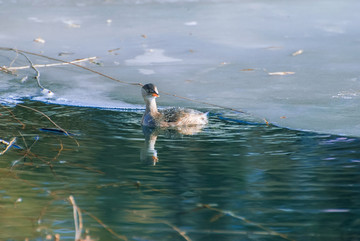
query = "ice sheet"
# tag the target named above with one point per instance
(221, 52)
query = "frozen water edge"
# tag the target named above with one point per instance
(219, 59)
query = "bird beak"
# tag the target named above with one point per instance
(156, 95)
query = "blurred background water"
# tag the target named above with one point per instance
(296, 179)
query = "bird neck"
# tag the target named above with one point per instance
(151, 106)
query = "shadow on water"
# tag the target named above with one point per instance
(227, 181)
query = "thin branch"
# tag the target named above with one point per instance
(59, 152)
(37, 77)
(13, 115)
(181, 233)
(13, 61)
(122, 237)
(47, 117)
(52, 65)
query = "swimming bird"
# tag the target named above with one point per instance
(171, 117)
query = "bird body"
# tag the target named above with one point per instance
(170, 117)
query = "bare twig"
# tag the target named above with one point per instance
(47, 117)
(6, 70)
(59, 152)
(52, 65)
(13, 115)
(43, 211)
(37, 77)
(13, 61)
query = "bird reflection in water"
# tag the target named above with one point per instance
(149, 154)
(178, 121)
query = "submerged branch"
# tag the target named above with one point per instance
(13, 115)
(47, 117)
(175, 228)
(179, 231)
(231, 214)
(122, 237)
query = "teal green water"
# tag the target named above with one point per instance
(229, 181)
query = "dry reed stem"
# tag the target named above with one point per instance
(231, 214)
(52, 65)
(77, 219)
(5, 70)
(122, 237)
(8, 146)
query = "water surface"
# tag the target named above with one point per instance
(230, 181)
(235, 179)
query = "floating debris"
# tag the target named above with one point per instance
(55, 131)
(192, 23)
(6, 70)
(47, 92)
(23, 79)
(300, 51)
(281, 73)
(71, 24)
(247, 69)
(113, 51)
(65, 53)
(39, 40)
(224, 63)
(19, 200)
(274, 47)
